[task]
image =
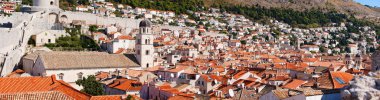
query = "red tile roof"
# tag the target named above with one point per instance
(46, 95)
(294, 84)
(126, 85)
(106, 97)
(39, 84)
(126, 37)
(179, 97)
(16, 73)
(239, 74)
(343, 76)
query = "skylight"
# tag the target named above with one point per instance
(340, 80)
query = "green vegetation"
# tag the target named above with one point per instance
(129, 97)
(305, 19)
(27, 2)
(76, 41)
(90, 85)
(93, 28)
(244, 42)
(178, 6)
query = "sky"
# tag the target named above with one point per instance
(369, 2)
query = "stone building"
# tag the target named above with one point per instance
(71, 66)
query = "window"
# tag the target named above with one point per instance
(147, 65)
(138, 41)
(147, 52)
(49, 40)
(175, 56)
(146, 41)
(51, 2)
(60, 75)
(80, 75)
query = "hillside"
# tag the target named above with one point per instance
(376, 9)
(343, 6)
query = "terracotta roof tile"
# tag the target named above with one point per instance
(105, 97)
(126, 85)
(179, 97)
(294, 84)
(39, 84)
(125, 37)
(341, 79)
(45, 95)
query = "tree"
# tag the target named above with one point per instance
(18, 8)
(90, 85)
(322, 49)
(84, 2)
(93, 28)
(254, 38)
(129, 97)
(243, 42)
(27, 2)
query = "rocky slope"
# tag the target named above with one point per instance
(343, 6)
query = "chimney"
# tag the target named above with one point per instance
(53, 78)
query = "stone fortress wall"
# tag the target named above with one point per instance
(14, 39)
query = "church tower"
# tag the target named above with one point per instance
(358, 61)
(144, 45)
(347, 60)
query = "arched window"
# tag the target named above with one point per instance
(146, 41)
(147, 65)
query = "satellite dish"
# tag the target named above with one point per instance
(231, 92)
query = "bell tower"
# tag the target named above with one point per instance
(144, 45)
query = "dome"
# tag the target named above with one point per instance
(145, 23)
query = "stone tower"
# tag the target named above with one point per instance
(358, 61)
(348, 60)
(376, 61)
(144, 45)
(45, 5)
